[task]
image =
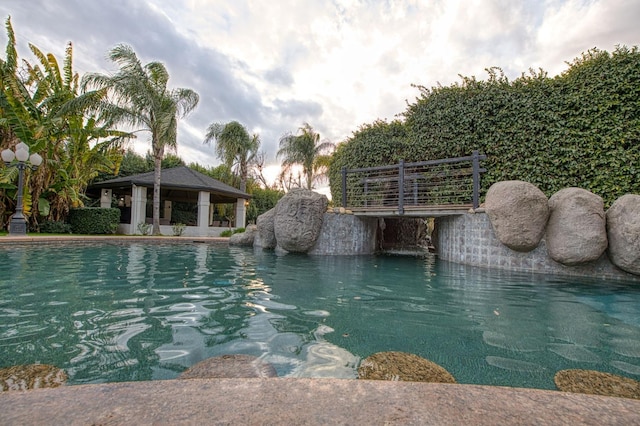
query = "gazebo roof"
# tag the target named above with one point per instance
(181, 178)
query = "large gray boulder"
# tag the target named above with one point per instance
(244, 238)
(298, 220)
(576, 231)
(265, 229)
(518, 212)
(623, 230)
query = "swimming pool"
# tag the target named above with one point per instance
(120, 312)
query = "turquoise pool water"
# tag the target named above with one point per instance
(119, 312)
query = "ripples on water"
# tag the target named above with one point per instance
(144, 312)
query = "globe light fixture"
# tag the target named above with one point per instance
(21, 160)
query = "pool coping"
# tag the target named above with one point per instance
(309, 401)
(109, 238)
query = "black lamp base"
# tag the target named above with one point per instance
(17, 226)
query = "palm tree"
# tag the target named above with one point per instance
(305, 149)
(137, 96)
(235, 147)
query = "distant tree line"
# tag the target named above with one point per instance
(580, 128)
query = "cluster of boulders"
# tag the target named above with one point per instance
(573, 223)
(402, 366)
(294, 224)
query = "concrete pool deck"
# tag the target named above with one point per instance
(276, 401)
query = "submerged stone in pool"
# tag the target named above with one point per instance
(597, 383)
(402, 366)
(229, 367)
(32, 376)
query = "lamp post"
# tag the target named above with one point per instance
(18, 224)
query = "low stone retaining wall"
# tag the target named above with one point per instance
(341, 234)
(346, 234)
(469, 239)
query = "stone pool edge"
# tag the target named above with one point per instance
(108, 238)
(308, 401)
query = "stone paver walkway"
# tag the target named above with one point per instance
(282, 401)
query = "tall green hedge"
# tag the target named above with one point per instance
(371, 145)
(581, 128)
(93, 220)
(262, 200)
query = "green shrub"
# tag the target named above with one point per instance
(94, 220)
(230, 232)
(53, 227)
(144, 228)
(183, 216)
(178, 229)
(262, 200)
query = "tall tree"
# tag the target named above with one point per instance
(306, 150)
(34, 108)
(235, 147)
(137, 96)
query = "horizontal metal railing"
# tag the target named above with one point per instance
(433, 183)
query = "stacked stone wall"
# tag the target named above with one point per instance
(469, 239)
(346, 234)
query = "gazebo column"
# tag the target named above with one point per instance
(203, 209)
(167, 211)
(105, 198)
(138, 206)
(241, 213)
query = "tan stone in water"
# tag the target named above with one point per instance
(230, 367)
(596, 383)
(623, 232)
(577, 230)
(402, 366)
(32, 376)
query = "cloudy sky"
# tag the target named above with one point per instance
(336, 64)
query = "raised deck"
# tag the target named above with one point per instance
(413, 211)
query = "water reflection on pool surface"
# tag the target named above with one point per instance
(120, 312)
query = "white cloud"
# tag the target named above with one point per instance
(572, 27)
(336, 64)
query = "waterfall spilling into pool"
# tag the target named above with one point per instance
(121, 312)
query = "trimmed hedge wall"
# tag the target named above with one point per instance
(94, 220)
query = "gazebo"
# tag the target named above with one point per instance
(178, 184)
